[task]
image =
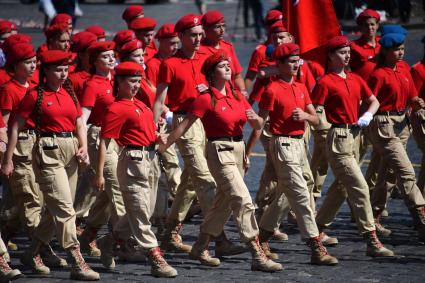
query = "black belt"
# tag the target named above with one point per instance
(391, 113)
(231, 139)
(298, 137)
(180, 112)
(28, 132)
(346, 126)
(141, 147)
(57, 135)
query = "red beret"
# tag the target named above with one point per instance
(14, 39)
(213, 60)
(166, 31)
(129, 47)
(187, 22)
(61, 19)
(6, 26)
(55, 30)
(97, 30)
(367, 13)
(285, 50)
(129, 69)
(277, 27)
(337, 42)
(20, 52)
(55, 57)
(100, 46)
(273, 16)
(131, 12)
(82, 40)
(143, 24)
(211, 18)
(123, 36)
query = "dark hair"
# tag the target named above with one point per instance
(38, 109)
(209, 75)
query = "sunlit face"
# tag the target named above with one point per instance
(289, 66)
(137, 56)
(62, 43)
(191, 38)
(56, 74)
(128, 86)
(340, 57)
(169, 45)
(369, 27)
(395, 54)
(26, 68)
(144, 36)
(216, 32)
(105, 61)
(279, 38)
(222, 71)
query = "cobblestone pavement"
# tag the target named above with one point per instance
(407, 266)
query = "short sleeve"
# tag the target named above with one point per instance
(255, 60)
(307, 99)
(112, 124)
(90, 91)
(320, 93)
(200, 105)
(417, 78)
(165, 73)
(6, 99)
(413, 92)
(267, 100)
(152, 71)
(27, 105)
(2, 124)
(375, 83)
(235, 60)
(365, 90)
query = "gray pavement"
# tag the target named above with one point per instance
(407, 266)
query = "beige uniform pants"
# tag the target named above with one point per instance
(26, 193)
(319, 161)
(290, 161)
(137, 171)
(168, 184)
(418, 125)
(56, 171)
(195, 176)
(225, 161)
(387, 134)
(109, 203)
(342, 148)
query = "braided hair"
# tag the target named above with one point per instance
(38, 109)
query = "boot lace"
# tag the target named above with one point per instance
(4, 266)
(317, 243)
(260, 250)
(38, 261)
(157, 257)
(79, 260)
(375, 241)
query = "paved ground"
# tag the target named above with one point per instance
(354, 266)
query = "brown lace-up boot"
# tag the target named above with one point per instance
(319, 254)
(374, 247)
(6, 273)
(50, 258)
(172, 241)
(32, 258)
(260, 262)
(159, 267)
(200, 251)
(80, 269)
(264, 237)
(88, 242)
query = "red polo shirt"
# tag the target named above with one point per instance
(305, 76)
(230, 51)
(150, 51)
(418, 74)
(59, 113)
(152, 69)
(11, 95)
(226, 118)
(363, 57)
(129, 122)
(2, 124)
(182, 75)
(4, 77)
(97, 95)
(146, 94)
(341, 97)
(280, 99)
(259, 60)
(393, 88)
(78, 79)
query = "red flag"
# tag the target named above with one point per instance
(312, 23)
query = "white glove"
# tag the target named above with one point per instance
(169, 118)
(365, 119)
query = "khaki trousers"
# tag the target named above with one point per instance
(290, 161)
(418, 125)
(319, 161)
(26, 193)
(342, 148)
(136, 175)
(195, 176)
(388, 135)
(225, 161)
(109, 204)
(56, 171)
